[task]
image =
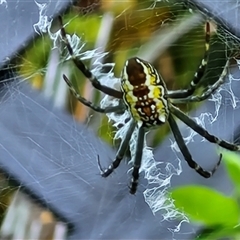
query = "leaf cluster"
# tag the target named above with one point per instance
(218, 213)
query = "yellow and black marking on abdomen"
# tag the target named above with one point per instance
(143, 92)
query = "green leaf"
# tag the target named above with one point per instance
(232, 162)
(206, 205)
(219, 232)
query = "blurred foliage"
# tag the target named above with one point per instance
(34, 61)
(135, 22)
(219, 214)
(6, 193)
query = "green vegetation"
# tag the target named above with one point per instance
(219, 214)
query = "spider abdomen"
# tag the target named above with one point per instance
(143, 93)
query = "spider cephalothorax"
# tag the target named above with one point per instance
(144, 94)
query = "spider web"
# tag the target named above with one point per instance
(158, 174)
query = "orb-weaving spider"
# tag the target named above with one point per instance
(144, 94)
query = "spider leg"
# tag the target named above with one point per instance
(183, 148)
(120, 154)
(210, 90)
(86, 72)
(137, 160)
(198, 75)
(119, 108)
(201, 131)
